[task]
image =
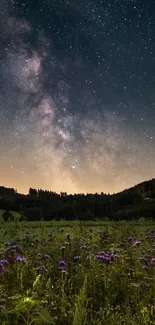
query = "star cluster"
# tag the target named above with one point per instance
(77, 94)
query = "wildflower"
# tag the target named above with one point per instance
(144, 267)
(20, 258)
(136, 243)
(40, 268)
(153, 260)
(64, 273)
(98, 256)
(77, 257)
(107, 259)
(62, 263)
(13, 248)
(63, 247)
(4, 262)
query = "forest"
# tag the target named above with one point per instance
(130, 204)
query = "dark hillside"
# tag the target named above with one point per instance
(132, 203)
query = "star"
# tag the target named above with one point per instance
(77, 96)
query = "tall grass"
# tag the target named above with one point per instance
(77, 274)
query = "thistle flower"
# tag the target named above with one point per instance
(4, 262)
(98, 256)
(62, 263)
(153, 260)
(107, 259)
(40, 268)
(77, 257)
(13, 248)
(136, 243)
(20, 258)
(63, 247)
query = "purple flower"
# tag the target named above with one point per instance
(62, 263)
(144, 267)
(77, 257)
(40, 268)
(136, 243)
(63, 271)
(4, 262)
(13, 248)
(20, 258)
(63, 247)
(153, 260)
(98, 256)
(107, 259)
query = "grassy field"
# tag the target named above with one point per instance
(77, 273)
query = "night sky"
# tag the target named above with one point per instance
(77, 94)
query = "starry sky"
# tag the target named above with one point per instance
(77, 94)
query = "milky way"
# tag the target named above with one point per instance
(77, 95)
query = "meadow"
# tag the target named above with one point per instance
(77, 273)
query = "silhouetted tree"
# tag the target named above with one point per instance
(33, 192)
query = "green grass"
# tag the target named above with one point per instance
(114, 290)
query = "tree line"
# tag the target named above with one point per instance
(47, 205)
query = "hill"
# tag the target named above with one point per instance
(129, 204)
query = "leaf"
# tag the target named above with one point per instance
(21, 306)
(45, 315)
